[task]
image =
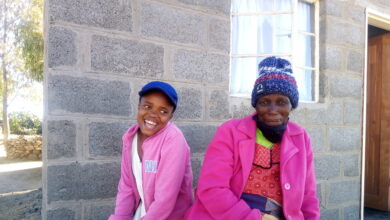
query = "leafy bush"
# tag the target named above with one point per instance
(23, 123)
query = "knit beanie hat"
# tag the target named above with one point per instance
(275, 77)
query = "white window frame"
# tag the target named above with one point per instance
(294, 33)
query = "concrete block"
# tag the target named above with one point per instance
(61, 47)
(384, 2)
(327, 167)
(346, 86)
(196, 66)
(99, 211)
(61, 139)
(298, 115)
(88, 96)
(61, 214)
(352, 212)
(333, 30)
(198, 136)
(196, 164)
(356, 13)
(355, 35)
(330, 214)
(355, 62)
(323, 86)
(241, 109)
(336, 32)
(219, 34)
(351, 165)
(221, 6)
(353, 113)
(319, 196)
(115, 14)
(345, 191)
(190, 104)
(127, 57)
(316, 135)
(105, 139)
(172, 24)
(344, 139)
(332, 114)
(331, 7)
(332, 58)
(218, 107)
(82, 181)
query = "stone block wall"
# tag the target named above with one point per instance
(24, 147)
(335, 124)
(99, 53)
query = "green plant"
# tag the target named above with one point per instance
(23, 123)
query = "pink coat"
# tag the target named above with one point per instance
(166, 176)
(226, 168)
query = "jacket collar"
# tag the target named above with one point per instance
(133, 129)
(248, 126)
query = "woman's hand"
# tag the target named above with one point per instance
(269, 217)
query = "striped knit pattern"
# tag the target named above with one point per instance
(275, 77)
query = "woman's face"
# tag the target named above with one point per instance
(273, 109)
(154, 112)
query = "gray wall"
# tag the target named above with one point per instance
(100, 52)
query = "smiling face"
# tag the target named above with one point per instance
(154, 112)
(273, 109)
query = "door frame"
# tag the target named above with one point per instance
(381, 20)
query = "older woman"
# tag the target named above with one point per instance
(260, 166)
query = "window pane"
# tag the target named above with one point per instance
(253, 6)
(261, 34)
(272, 34)
(244, 73)
(305, 17)
(304, 80)
(305, 50)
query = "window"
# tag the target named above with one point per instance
(283, 28)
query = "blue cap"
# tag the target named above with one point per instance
(165, 88)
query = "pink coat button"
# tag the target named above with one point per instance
(287, 186)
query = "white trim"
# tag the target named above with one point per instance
(306, 68)
(261, 13)
(261, 55)
(307, 33)
(317, 51)
(377, 19)
(364, 120)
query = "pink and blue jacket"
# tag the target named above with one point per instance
(227, 165)
(166, 176)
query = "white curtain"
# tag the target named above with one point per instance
(303, 51)
(266, 34)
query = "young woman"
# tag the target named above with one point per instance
(156, 175)
(260, 166)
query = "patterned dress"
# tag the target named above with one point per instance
(263, 190)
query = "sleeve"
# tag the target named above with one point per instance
(214, 189)
(125, 199)
(170, 174)
(310, 204)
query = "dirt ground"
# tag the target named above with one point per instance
(18, 174)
